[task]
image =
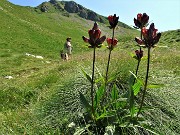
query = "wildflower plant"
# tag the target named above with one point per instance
(109, 107)
(95, 41)
(112, 42)
(134, 84)
(150, 38)
(140, 22)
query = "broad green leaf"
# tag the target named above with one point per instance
(84, 102)
(102, 116)
(114, 92)
(131, 94)
(132, 108)
(151, 86)
(137, 87)
(87, 76)
(99, 95)
(114, 96)
(131, 102)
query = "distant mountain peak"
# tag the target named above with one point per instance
(73, 7)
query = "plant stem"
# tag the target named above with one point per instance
(137, 68)
(107, 69)
(92, 81)
(109, 58)
(146, 81)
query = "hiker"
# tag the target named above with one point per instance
(68, 47)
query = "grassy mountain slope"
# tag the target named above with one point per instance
(32, 102)
(23, 30)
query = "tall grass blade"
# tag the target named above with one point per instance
(87, 76)
(151, 86)
(99, 95)
(84, 102)
(131, 95)
(137, 87)
(114, 93)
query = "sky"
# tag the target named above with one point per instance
(165, 14)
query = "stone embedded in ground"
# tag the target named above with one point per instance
(8, 77)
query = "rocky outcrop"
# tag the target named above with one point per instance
(71, 7)
(93, 16)
(50, 6)
(53, 2)
(44, 7)
(56, 4)
(83, 14)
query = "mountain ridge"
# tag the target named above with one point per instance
(69, 7)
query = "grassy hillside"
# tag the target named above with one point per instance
(36, 99)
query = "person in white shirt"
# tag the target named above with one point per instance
(68, 47)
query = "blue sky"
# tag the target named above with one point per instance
(164, 13)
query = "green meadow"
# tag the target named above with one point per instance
(42, 95)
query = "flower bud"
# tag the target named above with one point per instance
(139, 54)
(94, 37)
(113, 21)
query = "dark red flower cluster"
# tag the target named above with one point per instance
(111, 42)
(151, 37)
(141, 21)
(139, 54)
(94, 37)
(113, 21)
